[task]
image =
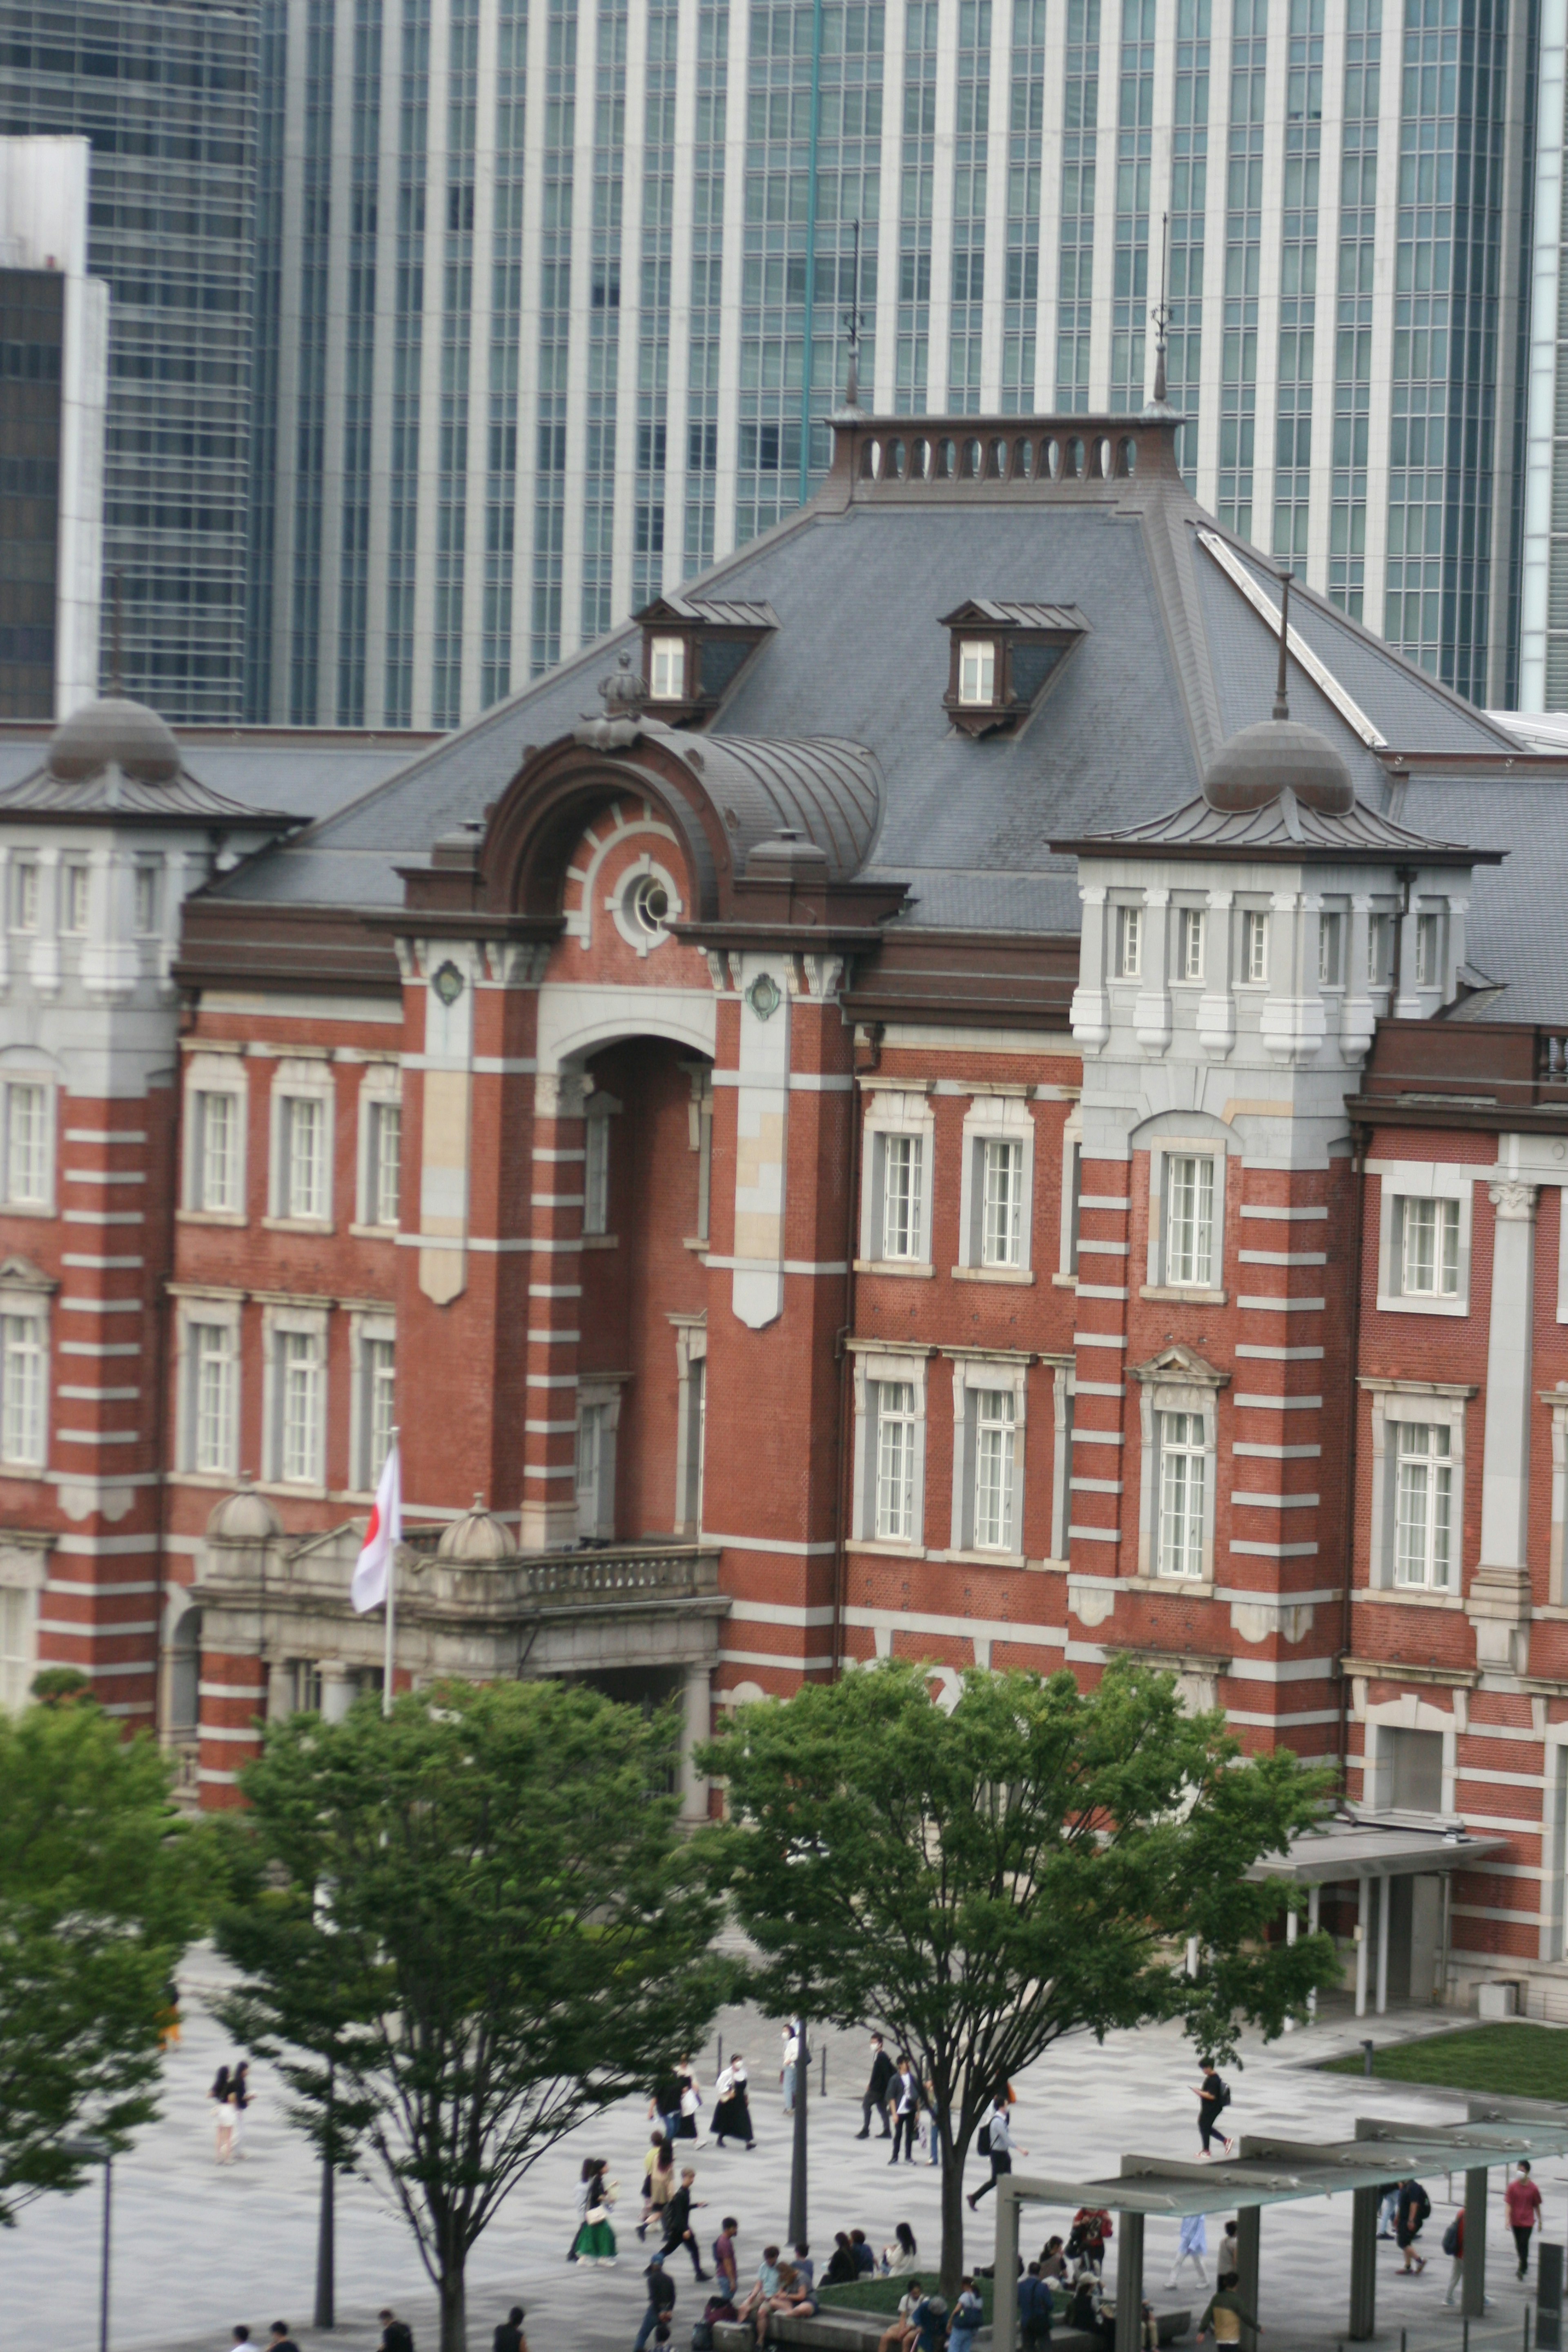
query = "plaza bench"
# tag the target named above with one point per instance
(837, 2330)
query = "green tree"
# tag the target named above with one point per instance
(99, 1893)
(978, 1883)
(464, 1928)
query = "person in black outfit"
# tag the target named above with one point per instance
(842, 2268)
(278, 2339)
(397, 2336)
(877, 2090)
(509, 2337)
(906, 2104)
(660, 2303)
(678, 2230)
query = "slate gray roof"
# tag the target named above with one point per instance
(1173, 659)
(112, 793)
(308, 772)
(1286, 825)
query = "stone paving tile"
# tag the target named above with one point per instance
(196, 2249)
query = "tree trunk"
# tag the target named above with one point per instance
(951, 2221)
(454, 2306)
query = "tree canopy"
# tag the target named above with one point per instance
(99, 1893)
(464, 1928)
(1034, 1863)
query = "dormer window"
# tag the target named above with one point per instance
(694, 650)
(1002, 657)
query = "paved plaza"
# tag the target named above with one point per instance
(196, 2249)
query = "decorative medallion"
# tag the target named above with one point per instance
(765, 997)
(447, 982)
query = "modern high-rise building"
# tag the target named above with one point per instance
(553, 294)
(53, 344)
(166, 91)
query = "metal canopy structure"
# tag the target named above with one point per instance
(1273, 2170)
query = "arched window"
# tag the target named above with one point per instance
(185, 1673)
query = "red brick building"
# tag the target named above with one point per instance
(891, 1110)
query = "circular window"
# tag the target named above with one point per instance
(645, 903)
(648, 903)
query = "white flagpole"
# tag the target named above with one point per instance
(391, 1611)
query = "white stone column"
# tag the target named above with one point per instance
(1090, 1013)
(1152, 1010)
(1357, 1015)
(337, 1691)
(45, 962)
(1498, 1602)
(1407, 1005)
(698, 1695)
(1216, 1005)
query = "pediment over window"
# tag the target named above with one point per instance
(20, 1275)
(1183, 1367)
(694, 650)
(1002, 656)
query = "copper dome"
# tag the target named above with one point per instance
(1257, 765)
(114, 732)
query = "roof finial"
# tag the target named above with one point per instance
(1281, 702)
(852, 388)
(1161, 314)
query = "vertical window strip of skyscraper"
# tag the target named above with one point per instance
(1135, 117)
(1189, 200)
(970, 141)
(604, 315)
(1243, 244)
(912, 360)
(1074, 283)
(403, 487)
(1298, 279)
(1556, 690)
(1353, 299)
(510, 71)
(707, 275)
(653, 306)
(848, 189)
(310, 366)
(456, 304)
(554, 329)
(1026, 123)
(262, 531)
(1442, 425)
(359, 362)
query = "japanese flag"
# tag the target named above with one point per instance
(381, 1538)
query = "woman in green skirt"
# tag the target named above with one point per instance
(595, 2240)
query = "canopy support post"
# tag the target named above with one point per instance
(1130, 2285)
(1005, 2282)
(1473, 2292)
(1248, 2245)
(1364, 2262)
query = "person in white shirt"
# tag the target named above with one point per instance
(786, 2071)
(1001, 2148)
(906, 2110)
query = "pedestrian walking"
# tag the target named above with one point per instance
(968, 2313)
(661, 2302)
(1409, 2214)
(1037, 2309)
(1192, 2245)
(1454, 2247)
(664, 2103)
(279, 2337)
(996, 2142)
(1389, 2193)
(879, 2084)
(1523, 2200)
(1213, 2097)
(169, 2019)
(397, 2336)
(686, 2125)
(239, 2084)
(726, 2260)
(595, 2240)
(787, 2065)
(658, 2180)
(508, 2336)
(227, 2118)
(1226, 2313)
(906, 2103)
(1230, 2248)
(731, 2106)
(677, 2229)
(931, 2129)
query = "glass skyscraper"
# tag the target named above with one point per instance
(166, 92)
(553, 296)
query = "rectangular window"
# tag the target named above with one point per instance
(1254, 944)
(27, 1145)
(24, 905)
(22, 1388)
(1002, 1229)
(597, 1177)
(1328, 951)
(993, 1469)
(1183, 1468)
(1429, 1248)
(1379, 936)
(380, 1404)
(1428, 958)
(18, 1662)
(1189, 1219)
(215, 1397)
(895, 1402)
(666, 669)
(74, 911)
(1421, 1504)
(147, 897)
(1415, 1769)
(384, 1161)
(1128, 943)
(300, 1370)
(977, 670)
(304, 1156)
(1190, 944)
(217, 1151)
(591, 1441)
(902, 1196)
(307, 1687)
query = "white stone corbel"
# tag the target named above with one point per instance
(1152, 1007)
(1090, 1014)
(1216, 1005)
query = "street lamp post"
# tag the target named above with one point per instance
(797, 2224)
(96, 2151)
(326, 2240)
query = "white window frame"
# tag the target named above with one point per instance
(894, 1113)
(223, 1311)
(24, 1564)
(874, 1365)
(1127, 942)
(1162, 1151)
(12, 1080)
(1380, 925)
(1192, 947)
(24, 1295)
(977, 673)
(1331, 947)
(278, 1324)
(1072, 1190)
(147, 878)
(1176, 1381)
(1064, 1395)
(662, 650)
(379, 1091)
(368, 1328)
(1407, 1180)
(214, 1074)
(26, 896)
(1252, 957)
(1426, 1541)
(597, 1147)
(691, 1419)
(76, 884)
(995, 1118)
(1429, 958)
(302, 1081)
(1408, 1712)
(996, 1371)
(600, 1396)
(1394, 1404)
(621, 897)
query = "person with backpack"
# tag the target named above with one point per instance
(996, 2142)
(1213, 2097)
(1523, 2200)
(660, 2302)
(968, 2313)
(1091, 2226)
(1409, 2214)
(1037, 2309)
